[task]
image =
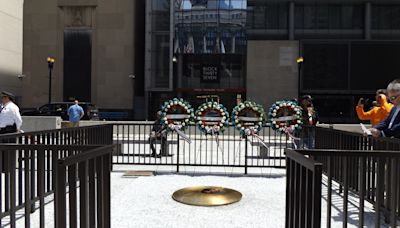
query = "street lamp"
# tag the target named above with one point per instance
(50, 64)
(132, 77)
(300, 62)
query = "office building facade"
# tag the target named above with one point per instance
(133, 55)
(11, 46)
(247, 49)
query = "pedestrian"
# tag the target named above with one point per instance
(309, 120)
(390, 127)
(158, 133)
(10, 117)
(10, 122)
(378, 113)
(75, 113)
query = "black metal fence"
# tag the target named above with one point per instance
(303, 191)
(362, 166)
(326, 138)
(91, 135)
(92, 170)
(29, 174)
(67, 158)
(226, 150)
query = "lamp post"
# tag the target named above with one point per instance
(50, 64)
(132, 77)
(300, 62)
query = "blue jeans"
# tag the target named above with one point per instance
(307, 138)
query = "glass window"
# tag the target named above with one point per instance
(385, 17)
(160, 15)
(215, 26)
(325, 66)
(334, 108)
(267, 16)
(160, 61)
(374, 64)
(329, 16)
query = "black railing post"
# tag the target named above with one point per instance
(379, 191)
(107, 190)
(73, 214)
(245, 154)
(288, 200)
(13, 198)
(100, 191)
(177, 154)
(317, 185)
(33, 185)
(329, 192)
(83, 194)
(41, 185)
(346, 190)
(362, 173)
(394, 187)
(60, 204)
(92, 192)
(27, 186)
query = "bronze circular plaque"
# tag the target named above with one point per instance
(207, 196)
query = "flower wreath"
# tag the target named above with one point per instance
(248, 117)
(211, 117)
(285, 115)
(176, 113)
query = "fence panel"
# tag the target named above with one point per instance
(303, 191)
(28, 175)
(77, 167)
(225, 150)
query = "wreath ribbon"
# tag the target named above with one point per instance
(253, 132)
(185, 137)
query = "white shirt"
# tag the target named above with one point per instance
(10, 115)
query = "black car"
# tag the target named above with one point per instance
(61, 109)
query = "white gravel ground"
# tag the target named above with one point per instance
(146, 202)
(150, 203)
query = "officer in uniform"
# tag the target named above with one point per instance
(10, 122)
(10, 117)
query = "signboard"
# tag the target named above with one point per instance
(209, 73)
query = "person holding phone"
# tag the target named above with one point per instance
(378, 113)
(390, 127)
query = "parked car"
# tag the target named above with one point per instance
(61, 109)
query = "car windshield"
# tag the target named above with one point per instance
(45, 108)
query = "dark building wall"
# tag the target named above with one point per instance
(350, 48)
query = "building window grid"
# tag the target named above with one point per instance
(329, 16)
(385, 17)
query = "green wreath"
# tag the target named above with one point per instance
(285, 115)
(248, 117)
(176, 113)
(211, 117)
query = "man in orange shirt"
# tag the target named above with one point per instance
(378, 113)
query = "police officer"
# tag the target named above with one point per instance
(10, 122)
(10, 117)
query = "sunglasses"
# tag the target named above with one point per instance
(392, 98)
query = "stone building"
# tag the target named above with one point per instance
(93, 42)
(135, 54)
(11, 46)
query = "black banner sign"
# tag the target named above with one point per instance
(209, 73)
